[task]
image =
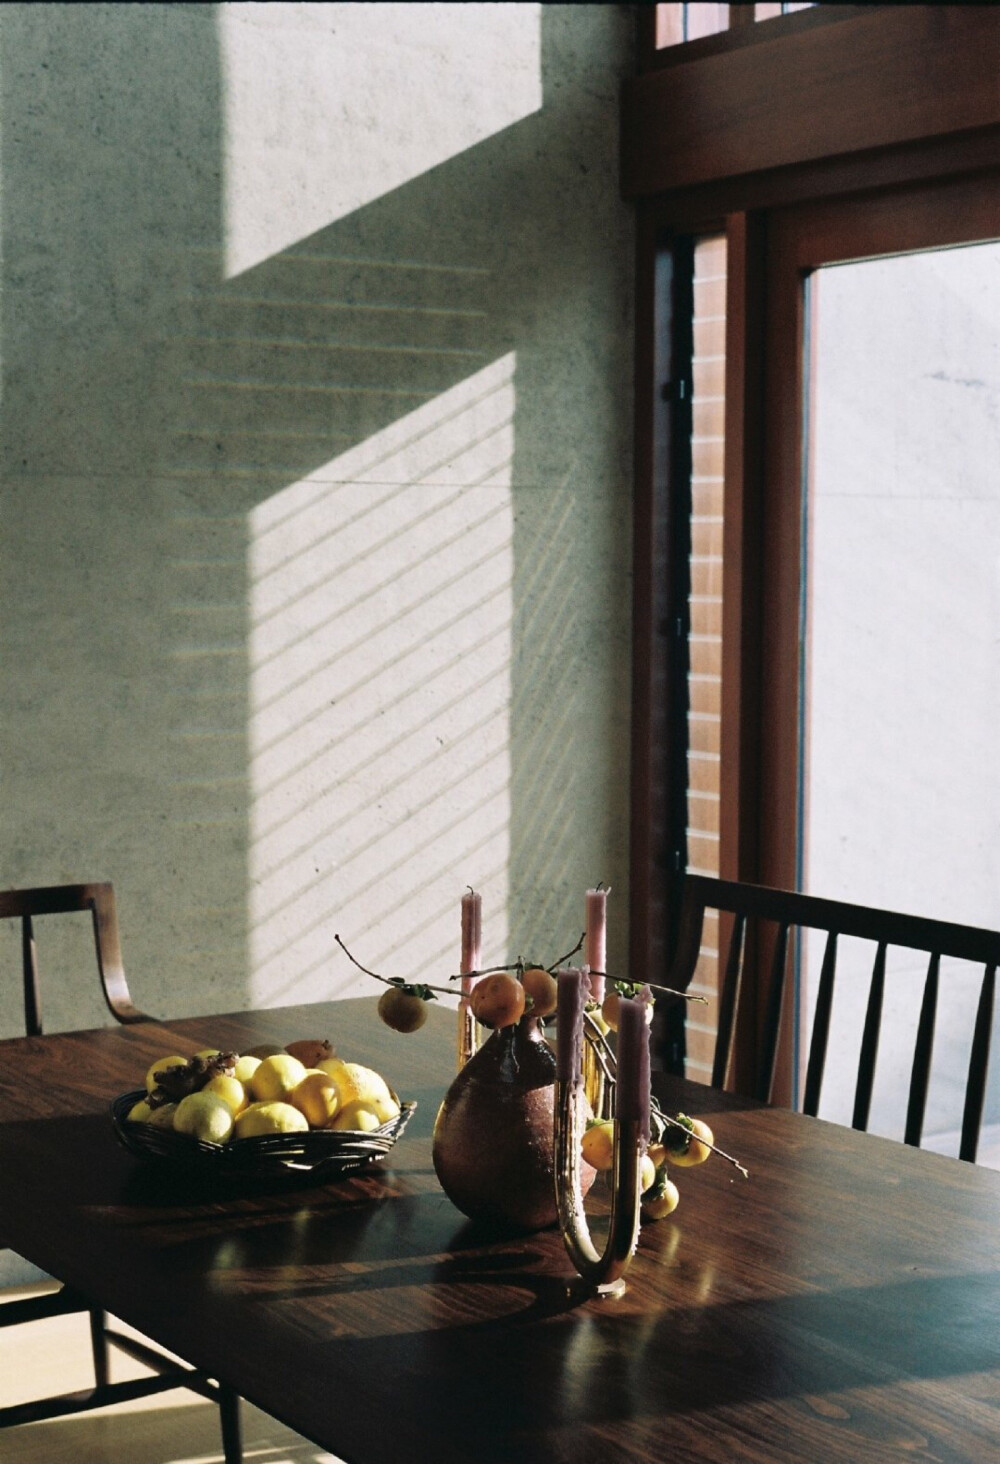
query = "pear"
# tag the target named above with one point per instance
(311, 1051)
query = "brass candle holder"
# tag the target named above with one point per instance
(603, 1270)
(468, 1033)
(581, 1049)
(472, 937)
(598, 1069)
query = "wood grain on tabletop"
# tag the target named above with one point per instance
(842, 1304)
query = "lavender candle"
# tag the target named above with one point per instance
(632, 1091)
(472, 937)
(571, 1000)
(595, 947)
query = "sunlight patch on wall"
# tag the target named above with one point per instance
(327, 107)
(380, 683)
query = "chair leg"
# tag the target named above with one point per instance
(99, 1347)
(229, 1417)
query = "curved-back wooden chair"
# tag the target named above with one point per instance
(782, 913)
(99, 899)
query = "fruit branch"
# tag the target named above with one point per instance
(484, 971)
(390, 980)
(519, 965)
(668, 990)
(678, 1124)
(607, 1062)
(556, 964)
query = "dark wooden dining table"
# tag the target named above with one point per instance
(843, 1303)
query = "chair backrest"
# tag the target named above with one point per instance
(99, 899)
(783, 913)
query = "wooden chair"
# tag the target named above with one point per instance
(755, 910)
(99, 900)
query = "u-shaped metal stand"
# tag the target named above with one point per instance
(602, 1270)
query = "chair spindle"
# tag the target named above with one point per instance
(728, 1003)
(922, 1053)
(979, 1058)
(869, 1042)
(772, 1019)
(821, 1027)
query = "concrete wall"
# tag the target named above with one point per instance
(315, 329)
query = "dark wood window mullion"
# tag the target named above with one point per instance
(662, 547)
(677, 391)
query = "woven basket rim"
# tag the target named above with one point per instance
(330, 1151)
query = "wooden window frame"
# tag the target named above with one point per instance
(862, 103)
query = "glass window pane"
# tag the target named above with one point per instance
(705, 610)
(901, 783)
(678, 23)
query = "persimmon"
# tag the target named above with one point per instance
(542, 989)
(609, 1006)
(662, 1199)
(598, 1144)
(402, 1009)
(497, 1000)
(692, 1148)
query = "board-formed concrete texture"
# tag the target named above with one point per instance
(316, 346)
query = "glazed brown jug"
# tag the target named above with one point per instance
(493, 1142)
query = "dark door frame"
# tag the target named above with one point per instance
(931, 174)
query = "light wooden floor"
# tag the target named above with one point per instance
(174, 1428)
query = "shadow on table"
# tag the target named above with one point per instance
(602, 1366)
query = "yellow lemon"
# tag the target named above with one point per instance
(230, 1090)
(245, 1068)
(382, 1104)
(316, 1097)
(205, 1117)
(277, 1077)
(647, 1174)
(269, 1118)
(164, 1062)
(139, 1112)
(353, 1081)
(357, 1117)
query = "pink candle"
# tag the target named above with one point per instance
(595, 944)
(632, 1086)
(571, 988)
(472, 938)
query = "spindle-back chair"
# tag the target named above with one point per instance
(99, 899)
(784, 913)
